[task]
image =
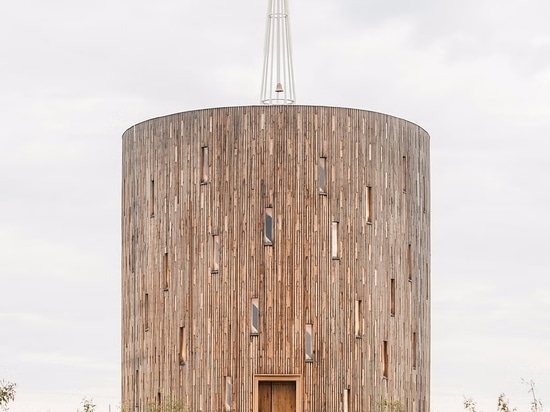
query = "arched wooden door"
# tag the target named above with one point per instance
(277, 396)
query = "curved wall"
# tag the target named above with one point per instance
(276, 244)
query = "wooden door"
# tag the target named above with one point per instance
(277, 396)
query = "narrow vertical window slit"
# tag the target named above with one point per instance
(427, 277)
(392, 297)
(345, 401)
(334, 240)
(146, 317)
(358, 318)
(308, 342)
(165, 270)
(255, 317)
(424, 195)
(228, 393)
(215, 254)
(385, 359)
(368, 205)
(414, 350)
(404, 174)
(322, 176)
(204, 165)
(268, 226)
(182, 348)
(409, 263)
(136, 389)
(152, 198)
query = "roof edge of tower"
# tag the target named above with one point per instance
(295, 107)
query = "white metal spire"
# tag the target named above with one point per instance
(278, 75)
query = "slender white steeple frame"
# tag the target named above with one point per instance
(278, 75)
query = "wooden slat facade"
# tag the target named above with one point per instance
(338, 301)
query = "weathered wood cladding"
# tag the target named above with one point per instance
(349, 258)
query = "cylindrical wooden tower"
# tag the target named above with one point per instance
(276, 258)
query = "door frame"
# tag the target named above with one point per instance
(278, 378)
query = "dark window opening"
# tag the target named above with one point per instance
(385, 359)
(309, 343)
(368, 204)
(228, 393)
(334, 240)
(322, 176)
(215, 254)
(165, 270)
(409, 263)
(345, 401)
(268, 226)
(414, 350)
(392, 297)
(152, 198)
(204, 165)
(181, 354)
(404, 174)
(136, 389)
(255, 317)
(358, 318)
(146, 320)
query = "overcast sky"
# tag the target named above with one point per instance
(74, 75)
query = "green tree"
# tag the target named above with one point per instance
(390, 406)
(87, 405)
(536, 404)
(167, 406)
(7, 394)
(470, 405)
(503, 404)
